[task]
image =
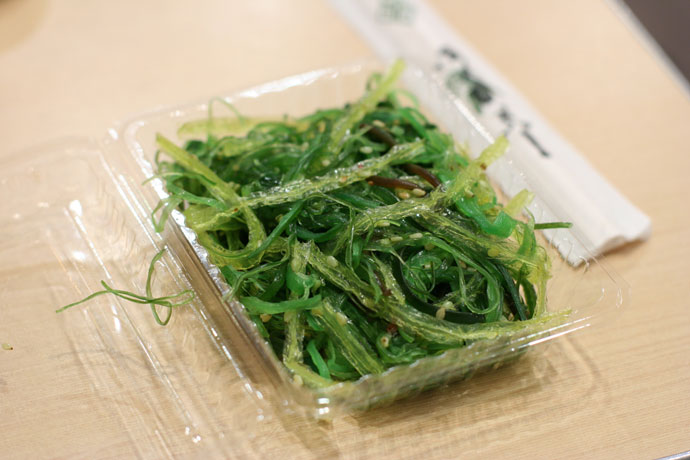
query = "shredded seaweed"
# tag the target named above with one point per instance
(357, 238)
(168, 303)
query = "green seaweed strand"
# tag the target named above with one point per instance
(148, 299)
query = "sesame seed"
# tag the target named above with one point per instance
(325, 162)
(403, 195)
(366, 149)
(332, 261)
(378, 123)
(385, 341)
(396, 239)
(384, 241)
(342, 319)
(295, 265)
(383, 223)
(416, 236)
(418, 192)
(265, 317)
(441, 313)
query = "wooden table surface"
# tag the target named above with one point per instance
(614, 390)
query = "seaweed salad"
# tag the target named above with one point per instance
(357, 238)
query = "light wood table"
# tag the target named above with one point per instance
(615, 390)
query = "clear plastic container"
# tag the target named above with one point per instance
(96, 224)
